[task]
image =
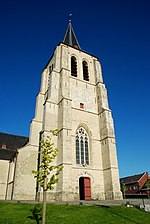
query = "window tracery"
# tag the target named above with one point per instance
(82, 147)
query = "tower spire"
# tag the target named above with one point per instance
(70, 37)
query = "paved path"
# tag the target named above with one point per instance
(102, 202)
(117, 202)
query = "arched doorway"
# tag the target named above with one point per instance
(85, 188)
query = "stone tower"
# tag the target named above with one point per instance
(73, 98)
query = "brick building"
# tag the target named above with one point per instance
(136, 185)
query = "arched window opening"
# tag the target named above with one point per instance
(85, 71)
(73, 66)
(82, 147)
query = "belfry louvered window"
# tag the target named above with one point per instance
(85, 71)
(73, 66)
(82, 147)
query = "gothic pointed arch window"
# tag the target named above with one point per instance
(85, 71)
(82, 147)
(73, 66)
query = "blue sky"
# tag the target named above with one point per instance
(116, 31)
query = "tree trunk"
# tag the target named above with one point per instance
(124, 194)
(44, 202)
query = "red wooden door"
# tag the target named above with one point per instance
(87, 189)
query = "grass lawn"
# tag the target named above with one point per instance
(15, 213)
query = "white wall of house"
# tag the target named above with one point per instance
(4, 168)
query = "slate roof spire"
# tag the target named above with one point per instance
(70, 37)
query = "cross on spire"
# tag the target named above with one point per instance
(70, 16)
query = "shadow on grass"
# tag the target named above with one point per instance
(116, 213)
(36, 213)
(103, 206)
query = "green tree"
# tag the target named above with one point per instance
(123, 189)
(148, 187)
(47, 176)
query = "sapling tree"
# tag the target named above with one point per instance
(47, 175)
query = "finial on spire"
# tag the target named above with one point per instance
(70, 16)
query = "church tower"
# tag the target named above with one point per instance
(73, 98)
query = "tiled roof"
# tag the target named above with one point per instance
(7, 154)
(9, 145)
(12, 141)
(131, 179)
